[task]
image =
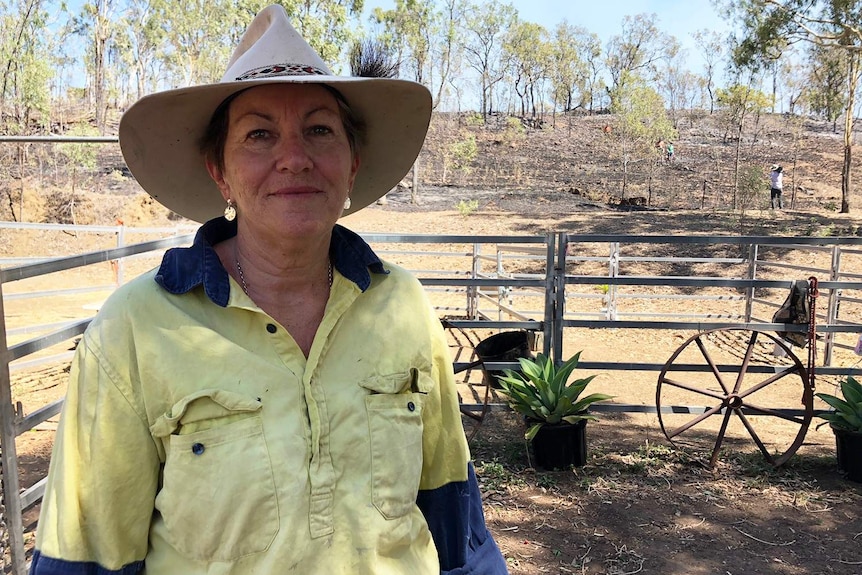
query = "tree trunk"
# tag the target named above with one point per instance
(414, 191)
(736, 164)
(848, 133)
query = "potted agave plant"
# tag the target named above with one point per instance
(555, 413)
(846, 424)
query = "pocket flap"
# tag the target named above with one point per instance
(408, 381)
(206, 404)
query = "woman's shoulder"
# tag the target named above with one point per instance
(139, 293)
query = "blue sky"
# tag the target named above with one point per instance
(679, 18)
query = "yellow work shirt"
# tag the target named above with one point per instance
(197, 438)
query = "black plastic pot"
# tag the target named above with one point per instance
(504, 346)
(848, 448)
(560, 446)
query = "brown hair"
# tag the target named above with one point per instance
(213, 141)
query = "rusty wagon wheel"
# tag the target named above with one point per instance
(733, 384)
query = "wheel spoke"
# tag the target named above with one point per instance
(720, 438)
(770, 380)
(775, 413)
(692, 389)
(756, 438)
(743, 369)
(693, 422)
(712, 366)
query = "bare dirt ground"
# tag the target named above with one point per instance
(640, 505)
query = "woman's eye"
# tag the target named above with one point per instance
(321, 130)
(257, 134)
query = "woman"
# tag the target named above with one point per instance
(776, 186)
(274, 398)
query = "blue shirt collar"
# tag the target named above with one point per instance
(183, 269)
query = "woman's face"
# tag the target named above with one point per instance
(288, 165)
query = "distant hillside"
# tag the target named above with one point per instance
(569, 162)
(575, 156)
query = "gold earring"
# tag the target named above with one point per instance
(347, 203)
(230, 211)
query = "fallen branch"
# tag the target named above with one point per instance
(765, 542)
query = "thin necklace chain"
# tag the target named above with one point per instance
(245, 285)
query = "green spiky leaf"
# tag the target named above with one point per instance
(847, 412)
(542, 392)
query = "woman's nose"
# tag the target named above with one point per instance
(292, 154)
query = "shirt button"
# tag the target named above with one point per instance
(198, 448)
(411, 406)
(270, 327)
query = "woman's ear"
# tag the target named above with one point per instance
(218, 177)
(353, 170)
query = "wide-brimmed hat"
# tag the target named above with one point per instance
(160, 133)
(775, 167)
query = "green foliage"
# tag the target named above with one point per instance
(827, 87)
(80, 155)
(573, 50)
(541, 392)
(467, 207)
(740, 100)
(515, 125)
(642, 121)
(25, 66)
(463, 152)
(751, 184)
(474, 119)
(847, 412)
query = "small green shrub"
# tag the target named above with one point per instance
(514, 125)
(463, 152)
(474, 119)
(465, 207)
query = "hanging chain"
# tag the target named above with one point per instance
(813, 292)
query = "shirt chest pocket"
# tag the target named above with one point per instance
(218, 497)
(394, 409)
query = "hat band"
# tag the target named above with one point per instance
(281, 70)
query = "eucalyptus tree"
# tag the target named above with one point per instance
(25, 69)
(827, 82)
(145, 36)
(96, 24)
(793, 76)
(641, 121)
(410, 28)
(672, 79)
(198, 37)
(712, 48)
(485, 27)
(739, 102)
(529, 51)
(423, 39)
(572, 48)
(448, 61)
(636, 51)
(328, 25)
(768, 24)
